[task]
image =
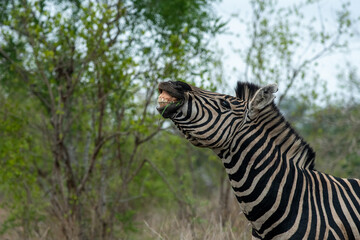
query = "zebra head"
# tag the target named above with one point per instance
(210, 119)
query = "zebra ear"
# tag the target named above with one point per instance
(263, 97)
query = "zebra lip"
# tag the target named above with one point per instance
(168, 104)
(168, 109)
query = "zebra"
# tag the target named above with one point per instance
(270, 166)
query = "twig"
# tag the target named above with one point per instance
(153, 230)
(45, 234)
(306, 62)
(163, 177)
(129, 179)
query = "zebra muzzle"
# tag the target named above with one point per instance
(168, 105)
(171, 97)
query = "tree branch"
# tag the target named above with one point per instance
(93, 158)
(297, 70)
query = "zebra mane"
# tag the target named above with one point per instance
(246, 90)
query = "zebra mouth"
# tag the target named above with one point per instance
(171, 98)
(167, 104)
(165, 99)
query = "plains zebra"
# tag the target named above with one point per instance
(270, 167)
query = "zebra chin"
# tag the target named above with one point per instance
(170, 110)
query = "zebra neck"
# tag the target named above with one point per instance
(256, 143)
(259, 156)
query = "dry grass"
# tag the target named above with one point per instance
(207, 225)
(159, 224)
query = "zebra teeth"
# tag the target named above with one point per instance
(164, 101)
(166, 98)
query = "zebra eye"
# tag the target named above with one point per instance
(225, 104)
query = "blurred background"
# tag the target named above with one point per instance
(85, 155)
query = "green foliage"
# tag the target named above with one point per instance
(78, 88)
(178, 16)
(333, 133)
(18, 175)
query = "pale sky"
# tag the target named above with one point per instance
(328, 66)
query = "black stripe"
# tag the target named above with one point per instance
(227, 129)
(348, 206)
(196, 119)
(355, 185)
(314, 223)
(327, 203)
(339, 210)
(254, 172)
(300, 232)
(269, 199)
(245, 144)
(289, 221)
(318, 192)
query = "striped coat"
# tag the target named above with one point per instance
(270, 167)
